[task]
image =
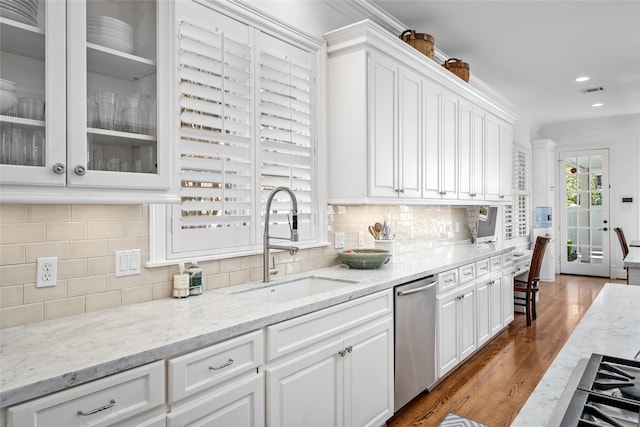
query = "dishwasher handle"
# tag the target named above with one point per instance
(416, 290)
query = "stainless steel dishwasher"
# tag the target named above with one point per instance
(415, 338)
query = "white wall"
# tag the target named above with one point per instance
(621, 135)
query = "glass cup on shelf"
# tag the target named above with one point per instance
(31, 108)
(106, 115)
(92, 112)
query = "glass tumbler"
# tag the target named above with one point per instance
(106, 115)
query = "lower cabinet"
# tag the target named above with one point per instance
(507, 296)
(241, 403)
(131, 398)
(456, 326)
(346, 379)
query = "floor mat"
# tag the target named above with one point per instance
(454, 420)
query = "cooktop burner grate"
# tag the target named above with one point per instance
(607, 394)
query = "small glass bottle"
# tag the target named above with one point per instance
(195, 279)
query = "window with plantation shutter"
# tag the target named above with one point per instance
(516, 216)
(286, 143)
(246, 125)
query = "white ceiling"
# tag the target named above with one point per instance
(531, 52)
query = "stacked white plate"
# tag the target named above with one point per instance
(8, 99)
(25, 11)
(110, 32)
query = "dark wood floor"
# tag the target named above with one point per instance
(495, 383)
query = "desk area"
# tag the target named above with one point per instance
(632, 263)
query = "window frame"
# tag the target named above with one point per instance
(160, 225)
(521, 231)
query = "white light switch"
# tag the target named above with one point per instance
(127, 262)
(339, 240)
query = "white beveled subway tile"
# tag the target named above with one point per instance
(63, 307)
(256, 275)
(155, 275)
(104, 300)
(23, 233)
(137, 228)
(101, 265)
(239, 263)
(12, 254)
(123, 282)
(137, 294)
(86, 285)
(88, 212)
(88, 248)
(106, 229)
(210, 267)
(239, 277)
(72, 268)
(292, 268)
(18, 274)
(162, 290)
(215, 281)
(11, 296)
(58, 249)
(66, 231)
(307, 265)
(123, 244)
(33, 294)
(21, 315)
(124, 212)
(49, 213)
(10, 213)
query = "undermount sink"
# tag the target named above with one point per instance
(294, 289)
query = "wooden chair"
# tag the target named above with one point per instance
(530, 286)
(623, 245)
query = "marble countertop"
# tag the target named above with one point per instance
(632, 260)
(611, 326)
(49, 356)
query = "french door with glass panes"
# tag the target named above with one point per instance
(584, 212)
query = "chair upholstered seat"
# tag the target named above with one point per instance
(623, 246)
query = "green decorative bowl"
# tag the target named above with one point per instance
(365, 258)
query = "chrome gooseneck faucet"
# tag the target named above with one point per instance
(293, 225)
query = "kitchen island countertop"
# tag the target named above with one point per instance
(49, 356)
(611, 326)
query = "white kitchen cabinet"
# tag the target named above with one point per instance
(65, 156)
(483, 297)
(507, 296)
(219, 384)
(440, 142)
(498, 159)
(337, 367)
(395, 118)
(471, 152)
(374, 117)
(456, 337)
(495, 303)
(239, 404)
(131, 398)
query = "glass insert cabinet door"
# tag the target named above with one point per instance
(584, 199)
(112, 91)
(32, 91)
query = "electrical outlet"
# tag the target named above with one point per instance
(127, 262)
(360, 238)
(46, 272)
(339, 240)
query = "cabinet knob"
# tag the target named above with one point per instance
(349, 349)
(473, 194)
(342, 353)
(443, 193)
(58, 168)
(502, 196)
(402, 191)
(80, 170)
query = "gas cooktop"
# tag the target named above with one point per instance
(608, 394)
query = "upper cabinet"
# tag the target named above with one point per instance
(402, 129)
(84, 102)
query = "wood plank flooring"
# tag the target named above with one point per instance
(495, 383)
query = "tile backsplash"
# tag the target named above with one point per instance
(85, 238)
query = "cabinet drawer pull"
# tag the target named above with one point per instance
(224, 365)
(473, 194)
(80, 170)
(58, 168)
(448, 281)
(111, 404)
(342, 353)
(467, 273)
(349, 349)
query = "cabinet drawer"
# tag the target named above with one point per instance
(210, 366)
(467, 273)
(447, 280)
(496, 263)
(107, 401)
(507, 259)
(294, 334)
(482, 267)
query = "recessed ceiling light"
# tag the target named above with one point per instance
(582, 79)
(598, 104)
